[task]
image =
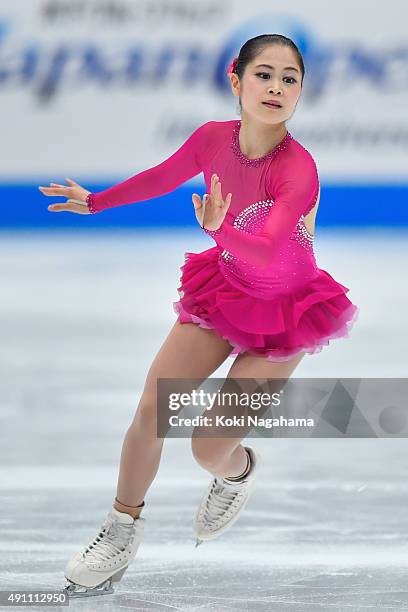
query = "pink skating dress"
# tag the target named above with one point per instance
(259, 287)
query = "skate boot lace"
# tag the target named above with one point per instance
(111, 540)
(221, 498)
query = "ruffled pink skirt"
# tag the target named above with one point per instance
(277, 329)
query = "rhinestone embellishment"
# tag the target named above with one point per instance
(212, 233)
(301, 235)
(258, 160)
(251, 220)
(253, 216)
(89, 201)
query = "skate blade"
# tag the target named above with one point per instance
(105, 588)
(76, 590)
(198, 542)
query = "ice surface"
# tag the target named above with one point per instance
(82, 317)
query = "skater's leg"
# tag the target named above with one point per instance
(233, 466)
(226, 457)
(189, 351)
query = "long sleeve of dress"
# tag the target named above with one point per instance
(159, 180)
(295, 193)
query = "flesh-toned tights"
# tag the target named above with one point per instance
(189, 351)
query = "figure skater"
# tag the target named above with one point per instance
(257, 295)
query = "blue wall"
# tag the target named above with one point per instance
(23, 206)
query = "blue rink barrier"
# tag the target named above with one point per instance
(23, 206)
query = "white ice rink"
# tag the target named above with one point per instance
(81, 317)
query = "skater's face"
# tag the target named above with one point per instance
(274, 74)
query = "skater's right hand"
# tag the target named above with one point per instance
(213, 207)
(76, 195)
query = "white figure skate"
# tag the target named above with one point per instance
(104, 561)
(223, 503)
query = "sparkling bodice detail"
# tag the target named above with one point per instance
(247, 161)
(251, 220)
(296, 259)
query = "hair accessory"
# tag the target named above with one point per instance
(232, 66)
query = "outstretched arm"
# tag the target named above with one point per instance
(159, 180)
(294, 196)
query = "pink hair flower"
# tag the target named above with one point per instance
(232, 66)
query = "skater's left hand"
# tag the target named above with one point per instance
(213, 207)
